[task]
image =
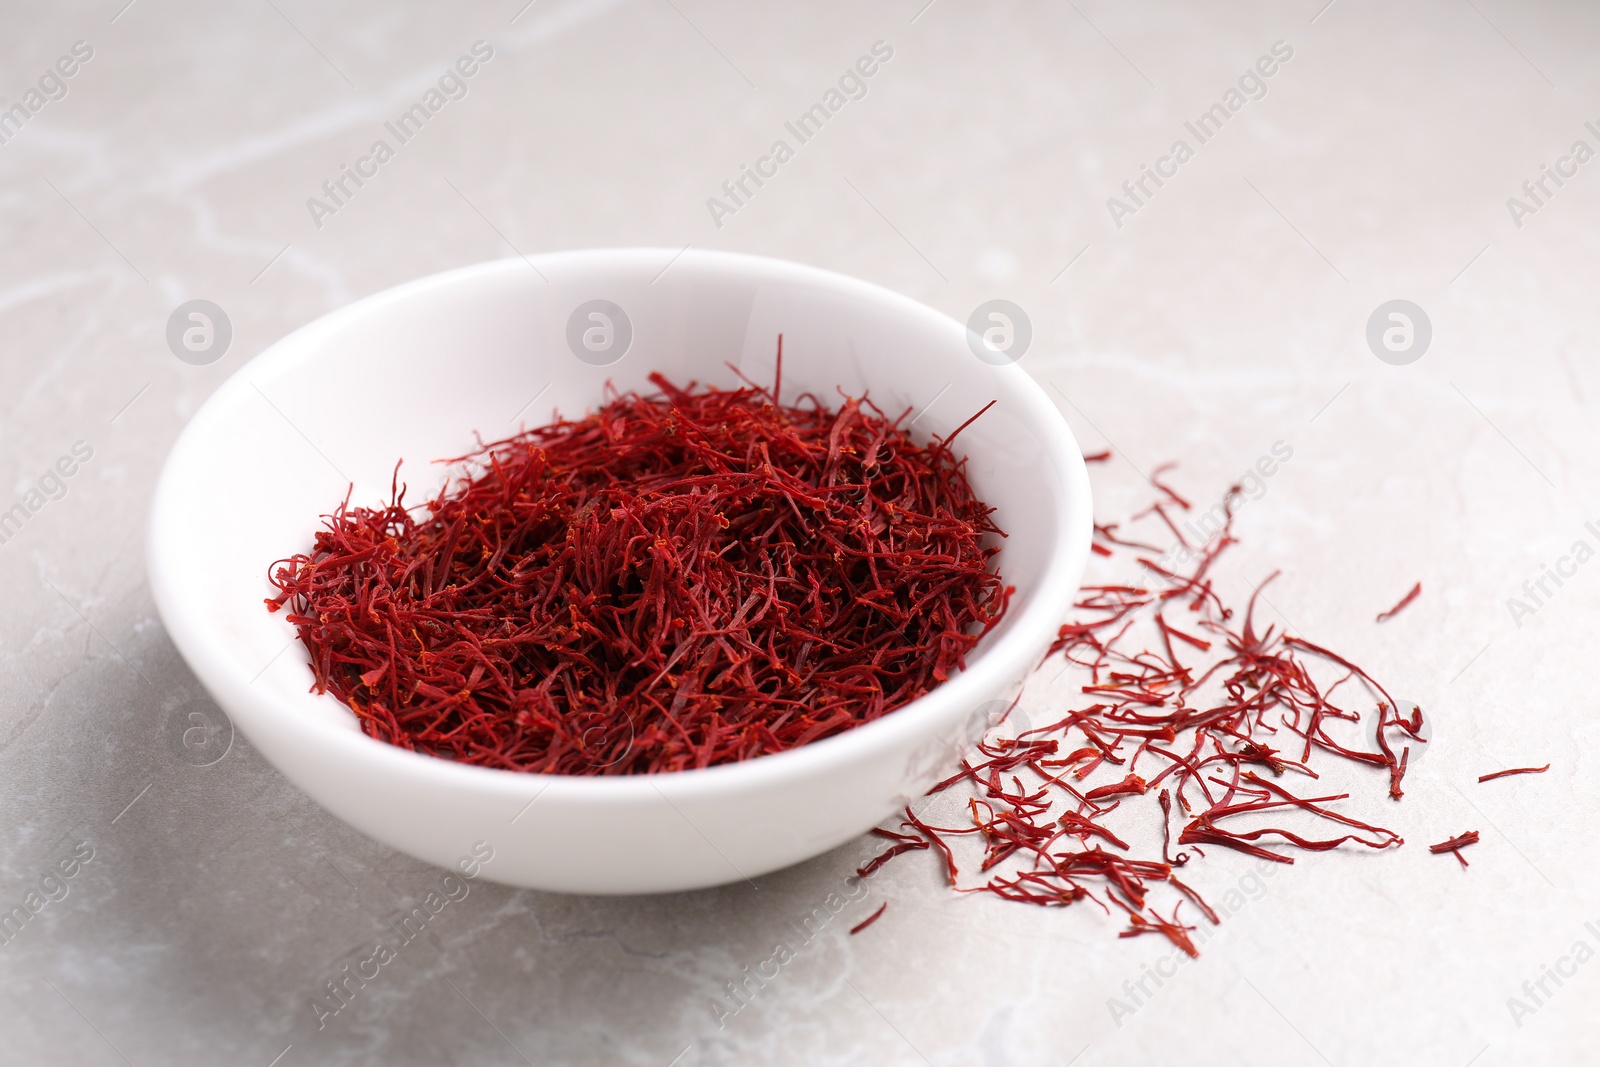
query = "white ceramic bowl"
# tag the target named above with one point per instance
(412, 372)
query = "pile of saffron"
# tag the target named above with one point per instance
(1193, 716)
(682, 579)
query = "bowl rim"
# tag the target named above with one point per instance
(207, 653)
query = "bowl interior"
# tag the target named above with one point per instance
(413, 374)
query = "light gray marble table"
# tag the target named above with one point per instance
(1202, 319)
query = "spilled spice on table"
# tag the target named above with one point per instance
(1220, 713)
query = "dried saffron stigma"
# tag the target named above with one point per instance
(678, 580)
(1405, 602)
(1189, 713)
(1512, 770)
(1454, 846)
(869, 920)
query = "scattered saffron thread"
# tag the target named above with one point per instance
(1214, 703)
(1511, 771)
(1098, 457)
(1454, 846)
(674, 581)
(1405, 601)
(869, 920)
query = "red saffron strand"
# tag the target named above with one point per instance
(888, 854)
(1098, 457)
(1455, 844)
(1155, 480)
(1511, 771)
(945, 444)
(1131, 785)
(1405, 601)
(869, 920)
(1459, 841)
